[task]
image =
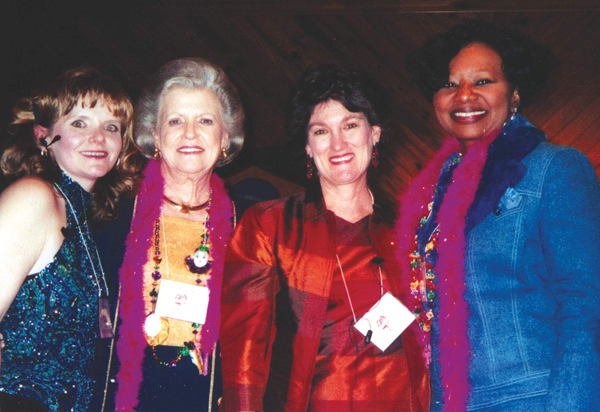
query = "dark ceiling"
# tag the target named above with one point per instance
(265, 45)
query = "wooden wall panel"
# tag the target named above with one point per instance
(265, 45)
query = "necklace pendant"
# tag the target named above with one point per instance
(199, 261)
(185, 209)
(156, 329)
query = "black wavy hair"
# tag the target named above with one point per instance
(352, 88)
(357, 92)
(525, 63)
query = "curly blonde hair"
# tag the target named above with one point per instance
(22, 155)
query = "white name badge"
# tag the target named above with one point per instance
(182, 301)
(387, 319)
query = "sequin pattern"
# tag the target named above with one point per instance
(52, 324)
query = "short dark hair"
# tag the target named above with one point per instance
(351, 87)
(525, 63)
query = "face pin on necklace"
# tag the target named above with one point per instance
(199, 262)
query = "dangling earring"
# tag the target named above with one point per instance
(375, 155)
(157, 155)
(514, 112)
(223, 154)
(310, 168)
(46, 145)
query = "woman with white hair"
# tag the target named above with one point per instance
(189, 121)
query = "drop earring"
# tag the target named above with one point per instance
(310, 168)
(375, 155)
(46, 145)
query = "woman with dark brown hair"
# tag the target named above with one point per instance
(312, 312)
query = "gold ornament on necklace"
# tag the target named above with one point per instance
(183, 208)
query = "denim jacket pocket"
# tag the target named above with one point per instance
(510, 202)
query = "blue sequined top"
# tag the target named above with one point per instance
(52, 325)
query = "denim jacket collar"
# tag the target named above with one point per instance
(504, 167)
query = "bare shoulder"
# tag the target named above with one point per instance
(30, 218)
(30, 196)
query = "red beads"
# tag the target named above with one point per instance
(422, 283)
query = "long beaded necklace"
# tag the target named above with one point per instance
(199, 262)
(157, 328)
(422, 272)
(422, 285)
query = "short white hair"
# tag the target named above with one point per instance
(190, 73)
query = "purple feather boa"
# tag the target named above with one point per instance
(131, 343)
(454, 345)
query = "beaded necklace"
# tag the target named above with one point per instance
(422, 265)
(199, 262)
(156, 328)
(131, 345)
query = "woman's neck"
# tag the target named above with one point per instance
(191, 190)
(351, 202)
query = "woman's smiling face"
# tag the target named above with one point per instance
(340, 142)
(190, 131)
(90, 142)
(477, 98)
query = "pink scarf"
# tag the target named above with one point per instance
(131, 342)
(454, 345)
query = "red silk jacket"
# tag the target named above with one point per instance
(278, 272)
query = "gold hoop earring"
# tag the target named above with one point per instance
(157, 154)
(224, 154)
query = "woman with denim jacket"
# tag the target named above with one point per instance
(500, 236)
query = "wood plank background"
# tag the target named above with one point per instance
(265, 45)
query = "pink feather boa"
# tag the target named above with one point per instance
(131, 343)
(454, 345)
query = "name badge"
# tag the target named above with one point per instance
(106, 326)
(386, 320)
(182, 301)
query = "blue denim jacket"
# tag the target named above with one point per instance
(533, 279)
